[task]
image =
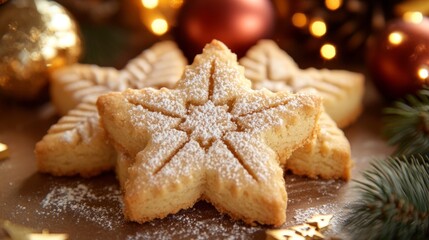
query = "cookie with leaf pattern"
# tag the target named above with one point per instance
(328, 155)
(268, 66)
(159, 66)
(76, 144)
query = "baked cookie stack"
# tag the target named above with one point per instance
(209, 136)
(328, 155)
(76, 144)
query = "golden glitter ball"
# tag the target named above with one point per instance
(36, 37)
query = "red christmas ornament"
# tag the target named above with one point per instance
(398, 58)
(237, 23)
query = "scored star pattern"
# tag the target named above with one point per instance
(211, 138)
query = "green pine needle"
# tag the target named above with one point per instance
(392, 202)
(406, 124)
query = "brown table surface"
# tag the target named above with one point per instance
(91, 208)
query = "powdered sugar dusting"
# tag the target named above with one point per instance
(189, 226)
(84, 204)
(68, 136)
(302, 215)
(151, 121)
(207, 117)
(208, 122)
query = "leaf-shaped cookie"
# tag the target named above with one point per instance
(71, 84)
(77, 144)
(159, 67)
(328, 155)
(156, 67)
(268, 66)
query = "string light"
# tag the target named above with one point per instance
(423, 73)
(396, 38)
(333, 4)
(159, 26)
(318, 28)
(150, 4)
(328, 51)
(299, 19)
(159, 15)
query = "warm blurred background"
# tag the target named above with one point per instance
(326, 30)
(317, 33)
(386, 40)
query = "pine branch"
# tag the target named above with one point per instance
(406, 124)
(392, 202)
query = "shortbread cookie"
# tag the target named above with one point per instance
(159, 67)
(268, 66)
(327, 156)
(77, 144)
(212, 138)
(71, 84)
(123, 162)
(156, 67)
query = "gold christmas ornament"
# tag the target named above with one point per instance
(37, 36)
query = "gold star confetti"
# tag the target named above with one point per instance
(283, 234)
(320, 221)
(306, 230)
(18, 232)
(310, 229)
(4, 151)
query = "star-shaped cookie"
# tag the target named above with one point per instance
(211, 137)
(77, 144)
(268, 66)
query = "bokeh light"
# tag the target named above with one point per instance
(413, 17)
(396, 38)
(423, 72)
(318, 28)
(159, 26)
(333, 4)
(150, 4)
(328, 51)
(299, 19)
